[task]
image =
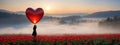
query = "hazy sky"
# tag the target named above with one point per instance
(62, 6)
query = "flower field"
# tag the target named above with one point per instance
(92, 39)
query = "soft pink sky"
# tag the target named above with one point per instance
(61, 6)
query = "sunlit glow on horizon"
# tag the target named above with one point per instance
(61, 6)
(47, 8)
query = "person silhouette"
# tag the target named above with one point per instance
(34, 31)
(34, 34)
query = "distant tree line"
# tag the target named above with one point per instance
(111, 21)
(114, 18)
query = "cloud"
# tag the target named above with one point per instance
(52, 28)
(8, 19)
(12, 23)
(13, 19)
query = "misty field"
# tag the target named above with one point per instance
(91, 39)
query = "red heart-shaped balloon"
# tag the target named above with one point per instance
(34, 15)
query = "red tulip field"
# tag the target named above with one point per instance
(91, 39)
